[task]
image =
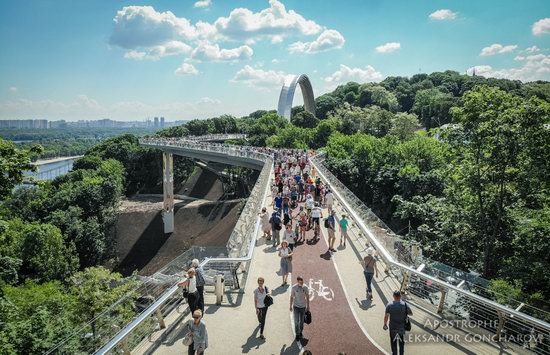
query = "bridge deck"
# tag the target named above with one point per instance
(343, 320)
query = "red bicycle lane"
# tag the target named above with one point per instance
(334, 328)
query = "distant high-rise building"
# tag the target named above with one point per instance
(156, 125)
(162, 122)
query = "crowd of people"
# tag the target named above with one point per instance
(298, 199)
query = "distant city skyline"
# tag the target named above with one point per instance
(64, 59)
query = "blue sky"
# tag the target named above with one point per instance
(75, 59)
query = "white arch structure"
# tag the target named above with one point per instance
(287, 95)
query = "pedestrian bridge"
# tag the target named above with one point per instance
(453, 310)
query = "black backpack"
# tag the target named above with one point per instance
(278, 223)
(327, 225)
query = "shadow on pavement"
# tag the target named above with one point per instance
(252, 342)
(326, 255)
(279, 290)
(290, 350)
(364, 304)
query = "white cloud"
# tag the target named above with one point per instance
(541, 27)
(203, 3)
(360, 75)
(143, 26)
(327, 40)
(12, 90)
(534, 67)
(532, 49)
(157, 52)
(276, 39)
(497, 48)
(275, 61)
(273, 21)
(388, 47)
(443, 14)
(259, 78)
(211, 52)
(84, 107)
(187, 69)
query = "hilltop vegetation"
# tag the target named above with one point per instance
(476, 197)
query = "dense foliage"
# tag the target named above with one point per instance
(474, 193)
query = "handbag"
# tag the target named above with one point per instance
(188, 340)
(268, 301)
(307, 317)
(407, 320)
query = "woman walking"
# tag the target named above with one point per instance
(286, 261)
(289, 236)
(198, 331)
(261, 309)
(266, 226)
(192, 294)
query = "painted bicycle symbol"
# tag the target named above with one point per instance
(322, 291)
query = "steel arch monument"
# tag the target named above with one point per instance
(287, 95)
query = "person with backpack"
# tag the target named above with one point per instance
(397, 313)
(260, 294)
(370, 270)
(330, 224)
(199, 274)
(276, 226)
(316, 215)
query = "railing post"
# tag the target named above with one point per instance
(160, 318)
(405, 282)
(442, 300)
(125, 347)
(500, 326)
(168, 188)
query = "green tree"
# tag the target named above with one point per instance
(35, 317)
(13, 163)
(324, 104)
(305, 119)
(404, 125)
(95, 293)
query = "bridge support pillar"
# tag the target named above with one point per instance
(442, 300)
(168, 188)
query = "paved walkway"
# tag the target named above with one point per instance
(343, 320)
(334, 328)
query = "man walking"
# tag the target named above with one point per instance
(329, 200)
(299, 304)
(276, 226)
(331, 227)
(397, 313)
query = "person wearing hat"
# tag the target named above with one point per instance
(370, 270)
(397, 313)
(286, 261)
(331, 228)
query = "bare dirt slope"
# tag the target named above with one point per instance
(203, 184)
(142, 245)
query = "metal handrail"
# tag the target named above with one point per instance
(130, 327)
(390, 260)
